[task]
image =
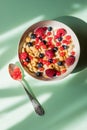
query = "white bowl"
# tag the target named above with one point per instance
(55, 25)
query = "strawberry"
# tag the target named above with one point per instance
(51, 72)
(49, 54)
(70, 60)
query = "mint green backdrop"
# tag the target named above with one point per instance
(65, 102)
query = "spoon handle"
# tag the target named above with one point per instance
(37, 106)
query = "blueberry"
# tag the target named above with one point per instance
(38, 74)
(55, 49)
(60, 63)
(27, 59)
(65, 46)
(49, 28)
(33, 36)
(44, 41)
(30, 44)
(41, 55)
(60, 39)
(50, 60)
(40, 65)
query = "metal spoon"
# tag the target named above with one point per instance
(16, 74)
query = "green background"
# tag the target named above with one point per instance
(65, 102)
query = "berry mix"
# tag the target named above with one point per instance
(48, 52)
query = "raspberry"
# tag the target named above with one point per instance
(61, 32)
(40, 31)
(23, 55)
(49, 54)
(51, 72)
(68, 37)
(58, 73)
(16, 74)
(70, 60)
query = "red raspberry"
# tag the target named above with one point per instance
(58, 73)
(61, 32)
(40, 31)
(51, 72)
(73, 53)
(16, 74)
(49, 54)
(58, 44)
(23, 55)
(49, 39)
(68, 37)
(48, 33)
(70, 60)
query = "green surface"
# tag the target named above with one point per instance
(65, 102)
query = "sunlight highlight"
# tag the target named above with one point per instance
(9, 119)
(19, 29)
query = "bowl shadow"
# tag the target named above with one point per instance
(80, 29)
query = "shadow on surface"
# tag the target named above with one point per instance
(68, 102)
(80, 29)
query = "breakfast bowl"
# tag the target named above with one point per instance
(49, 50)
